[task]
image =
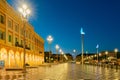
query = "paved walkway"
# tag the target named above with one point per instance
(66, 71)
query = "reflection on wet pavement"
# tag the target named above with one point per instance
(65, 71)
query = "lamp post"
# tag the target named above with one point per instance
(116, 50)
(82, 43)
(60, 53)
(25, 11)
(97, 51)
(100, 56)
(106, 53)
(95, 55)
(49, 39)
(74, 55)
(86, 53)
(57, 47)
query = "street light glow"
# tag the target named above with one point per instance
(20, 10)
(24, 6)
(106, 52)
(74, 50)
(95, 55)
(24, 10)
(57, 46)
(49, 39)
(116, 50)
(28, 11)
(60, 50)
(99, 54)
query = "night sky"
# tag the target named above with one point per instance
(100, 20)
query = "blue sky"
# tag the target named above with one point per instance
(63, 19)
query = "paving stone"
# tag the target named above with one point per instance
(66, 71)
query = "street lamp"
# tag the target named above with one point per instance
(60, 53)
(74, 51)
(49, 39)
(95, 55)
(106, 54)
(86, 53)
(57, 47)
(116, 50)
(25, 11)
(97, 51)
(100, 56)
(82, 43)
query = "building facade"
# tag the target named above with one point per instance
(12, 39)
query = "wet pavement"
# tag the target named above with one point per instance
(65, 71)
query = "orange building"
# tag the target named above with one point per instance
(12, 39)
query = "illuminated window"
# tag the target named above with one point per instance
(16, 39)
(21, 31)
(16, 28)
(21, 42)
(29, 35)
(32, 47)
(26, 34)
(2, 35)
(29, 46)
(10, 38)
(2, 19)
(10, 24)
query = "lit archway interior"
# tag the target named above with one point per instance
(4, 56)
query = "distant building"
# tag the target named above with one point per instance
(57, 57)
(111, 54)
(47, 56)
(52, 57)
(103, 56)
(12, 39)
(69, 56)
(79, 56)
